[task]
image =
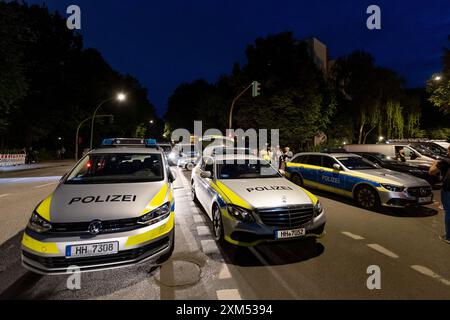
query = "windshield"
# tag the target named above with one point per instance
(356, 163)
(117, 168)
(246, 169)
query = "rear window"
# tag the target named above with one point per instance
(117, 168)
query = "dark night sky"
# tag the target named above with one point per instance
(166, 43)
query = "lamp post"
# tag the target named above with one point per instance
(256, 92)
(120, 97)
(79, 127)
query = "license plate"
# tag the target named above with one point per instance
(286, 234)
(425, 200)
(89, 250)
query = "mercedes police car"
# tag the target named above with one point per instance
(352, 176)
(114, 208)
(250, 202)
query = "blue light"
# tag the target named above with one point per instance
(151, 142)
(108, 142)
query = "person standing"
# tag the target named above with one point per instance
(443, 167)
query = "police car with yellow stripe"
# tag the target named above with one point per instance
(114, 208)
(250, 202)
(355, 177)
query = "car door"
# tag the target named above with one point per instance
(330, 179)
(310, 170)
(202, 188)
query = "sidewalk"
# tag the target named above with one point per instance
(42, 165)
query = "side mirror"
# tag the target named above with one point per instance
(337, 167)
(172, 176)
(206, 174)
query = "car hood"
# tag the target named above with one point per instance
(265, 193)
(391, 177)
(83, 203)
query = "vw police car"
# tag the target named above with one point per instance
(114, 208)
(353, 176)
(250, 202)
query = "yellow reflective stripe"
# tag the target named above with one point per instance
(170, 196)
(306, 166)
(152, 234)
(38, 246)
(233, 197)
(44, 208)
(242, 244)
(157, 201)
(310, 195)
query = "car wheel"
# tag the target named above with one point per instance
(217, 225)
(297, 179)
(190, 166)
(193, 194)
(167, 255)
(367, 198)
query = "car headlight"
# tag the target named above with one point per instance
(393, 188)
(155, 215)
(318, 209)
(38, 224)
(240, 213)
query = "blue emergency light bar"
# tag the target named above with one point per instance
(129, 142)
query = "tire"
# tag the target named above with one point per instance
(367, 198)
(167, 255)
(217, 225)
(297, 179)
(193, 194)
(190, 166)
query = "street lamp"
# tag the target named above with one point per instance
(437, 78)
(380, 139)
(151, 122)
(120, 98)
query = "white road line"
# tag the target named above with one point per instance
(209, 246)
(228, 294)
(224, 273)
(198, 219)
(44, 185)
(352, 235)
(4, 195)
(203, 231)
(383, 250)
(430, 273)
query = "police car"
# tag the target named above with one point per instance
(355, 177)
(114, 208)
(250, 202)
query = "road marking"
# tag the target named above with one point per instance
(383, 250)
(351, 235)
(198, 219)
(44, 185)
(209, 246)
(430, 273)
(224, 273)
(228, 294)
(4, 195)
(203, 231)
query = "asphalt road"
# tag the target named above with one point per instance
(404, 244)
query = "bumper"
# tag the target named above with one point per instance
(251, 234)
(403, 199)
(46, 255)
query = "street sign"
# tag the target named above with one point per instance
(256, 89)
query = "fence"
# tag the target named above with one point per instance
(12, 159)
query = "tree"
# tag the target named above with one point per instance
(439, 90)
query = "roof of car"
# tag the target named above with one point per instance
(225, 157)
(142, 150)
(337, 155)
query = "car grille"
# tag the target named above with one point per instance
(287, 217)
(121, 257)
(419, 192)
(111, 226)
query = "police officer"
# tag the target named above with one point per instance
(443, 167)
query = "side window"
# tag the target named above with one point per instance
(300, 159)
(314, 160)
(328, 162)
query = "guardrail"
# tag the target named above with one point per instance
(12, 159)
